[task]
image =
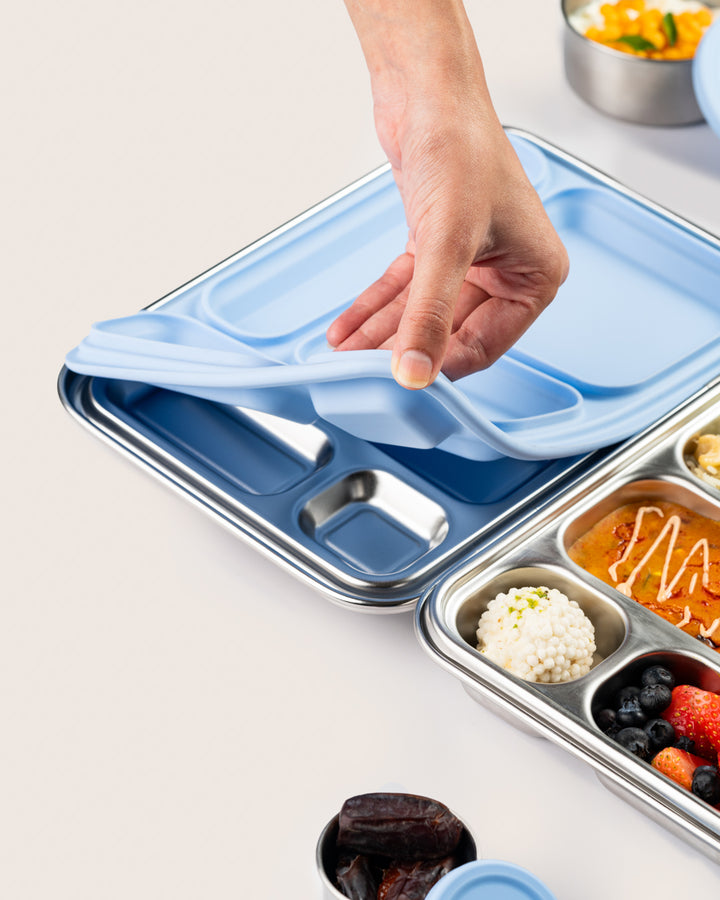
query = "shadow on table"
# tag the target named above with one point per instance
(694, 145)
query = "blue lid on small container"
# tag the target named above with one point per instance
(706, 76)
(489, 879)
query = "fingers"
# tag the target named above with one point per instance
(487, 332)
(375, 314)
(426, 325)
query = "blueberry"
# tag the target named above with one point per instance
(654, 698)
(660, 733)
(625, 693)
(630, 713)
(706, 784)
(658, 675)
(635, 740)
(683, 742)
(605, 719)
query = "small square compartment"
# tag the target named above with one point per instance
(374, 522)
(608, 619)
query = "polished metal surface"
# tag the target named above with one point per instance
(646, 91)
(628, 636)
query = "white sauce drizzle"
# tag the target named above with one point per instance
(636, 531)
(708, 632)
(685, 619)
(671, 527)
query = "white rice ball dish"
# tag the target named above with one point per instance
(538, 634)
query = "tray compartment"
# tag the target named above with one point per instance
(686, 668)
(248, 452)
(645, 557)
(328, 259)
(635, 491)
(471, 481)
(641, 290)
(375, 521)
(610, 623)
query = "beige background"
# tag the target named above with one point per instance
(179, 717)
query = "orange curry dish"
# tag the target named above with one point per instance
(665, 557)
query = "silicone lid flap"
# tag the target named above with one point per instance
(489, 879)
(706, 76)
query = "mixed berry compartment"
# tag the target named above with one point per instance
(664, 709)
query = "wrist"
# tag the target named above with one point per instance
(416, 47)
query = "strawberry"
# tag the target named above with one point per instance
(710, 718)
(678, 765)
(692, 712)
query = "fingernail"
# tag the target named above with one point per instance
(413, 370)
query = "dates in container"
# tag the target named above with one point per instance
(396, 846)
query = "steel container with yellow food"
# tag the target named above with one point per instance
(641, 60)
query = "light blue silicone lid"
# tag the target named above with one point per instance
(706, 76)
(489, 879)
(633, 331)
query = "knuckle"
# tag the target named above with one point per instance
(429, 318)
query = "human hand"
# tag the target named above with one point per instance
(483, 259)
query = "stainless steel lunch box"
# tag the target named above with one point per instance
(646, 91)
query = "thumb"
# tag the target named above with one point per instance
(424, 330)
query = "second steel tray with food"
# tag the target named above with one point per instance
(656, 468)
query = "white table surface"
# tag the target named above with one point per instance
(180, 717)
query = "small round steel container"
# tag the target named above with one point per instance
(646, 91)
(326, 856)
